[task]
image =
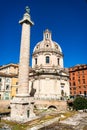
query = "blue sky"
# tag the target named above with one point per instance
(67, 20)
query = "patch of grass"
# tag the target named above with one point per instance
(14, 125)
(44, 118)
(68, 114)
(19, 127)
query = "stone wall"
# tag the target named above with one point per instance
(4, 103)
(46, 104)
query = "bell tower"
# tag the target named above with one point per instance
(21, 106)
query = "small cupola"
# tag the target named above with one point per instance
(47, 35)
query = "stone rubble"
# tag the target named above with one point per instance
(78, 121)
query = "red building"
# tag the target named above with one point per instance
(78, 80)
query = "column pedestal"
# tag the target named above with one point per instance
(22, 109)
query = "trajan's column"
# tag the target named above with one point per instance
(21, 106)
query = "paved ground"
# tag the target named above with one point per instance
(77, 122)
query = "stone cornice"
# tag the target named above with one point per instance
(7, 75)
(49, 74)
(46, 51)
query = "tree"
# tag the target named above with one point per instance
(80, 103)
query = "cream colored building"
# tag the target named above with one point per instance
(5, 86)
(8, 81)
(9, 68)
(48, 79)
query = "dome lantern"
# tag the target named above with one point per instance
(47, 35)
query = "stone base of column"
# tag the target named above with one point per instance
(22, 109)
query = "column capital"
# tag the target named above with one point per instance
(26, 19)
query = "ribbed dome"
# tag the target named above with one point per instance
(47, 44)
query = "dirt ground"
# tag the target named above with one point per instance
(58, 126)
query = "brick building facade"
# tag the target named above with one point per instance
(78, 80)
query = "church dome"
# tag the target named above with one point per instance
(47, 53)
(47, 44)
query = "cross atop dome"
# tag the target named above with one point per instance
(47, 35)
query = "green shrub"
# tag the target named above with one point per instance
(80, 103)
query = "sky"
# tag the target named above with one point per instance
(66, 19)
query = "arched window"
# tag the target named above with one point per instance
(46, 36)
(58, 61)
(47, 59)
(35, 61)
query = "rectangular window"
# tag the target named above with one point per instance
(73, 78)
(84, 93)
(78, 73)
(80, 92)
(78, 81)
(7, 87)
(74, 88)
(82, 71)
(73, 73)
(74, 92)
(16, 90)
(78, 77)
(74, 84)
(28, 112)
(83, 81)
(70, 92)
(0, 87)
(7, 80)
(16, 83)
(84, 86)
(70, 84)
(83, 76)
